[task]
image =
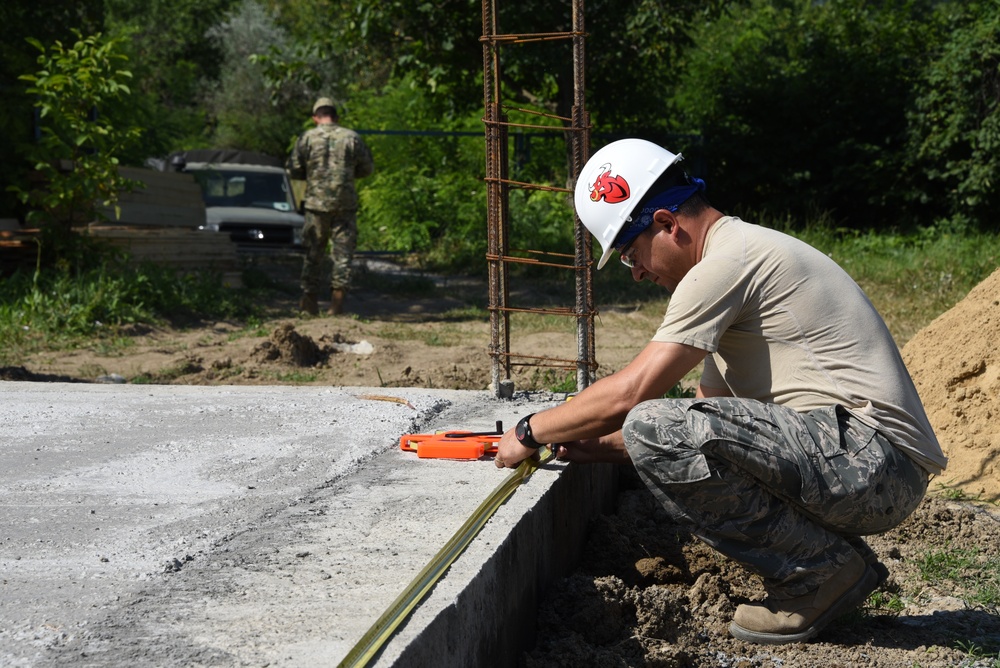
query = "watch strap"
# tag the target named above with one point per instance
(523, 433)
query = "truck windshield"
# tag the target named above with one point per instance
(238, 188)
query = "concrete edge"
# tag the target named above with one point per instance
(491, 620)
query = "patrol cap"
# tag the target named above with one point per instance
(323, 102)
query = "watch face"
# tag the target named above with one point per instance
(521, 430)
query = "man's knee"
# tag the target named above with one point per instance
(657, 438)
(654, 418)
(637, 425)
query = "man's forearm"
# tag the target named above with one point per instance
(595, 412)
(600, 409)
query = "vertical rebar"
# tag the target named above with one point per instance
(584, 260)
(503, 223)
(498, 186)
(494, 172)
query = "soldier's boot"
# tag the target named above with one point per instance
(776, 622)
(309, 304)
(862, 548)
(337, 302)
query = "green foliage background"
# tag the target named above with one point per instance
(870, 116)
(73, 82)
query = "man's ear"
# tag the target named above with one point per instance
(666, 219)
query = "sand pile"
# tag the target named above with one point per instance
(956, 367)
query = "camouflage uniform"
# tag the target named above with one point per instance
(786, 494)
(329, 158)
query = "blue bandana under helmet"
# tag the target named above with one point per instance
(670, 199)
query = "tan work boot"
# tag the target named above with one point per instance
(337, 302)
(776, 622)
(309, 304)
(862, 548)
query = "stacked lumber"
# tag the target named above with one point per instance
(167, 199)
(187, 250)
(18, 250)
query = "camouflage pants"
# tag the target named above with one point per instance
(340, 230)
(781, 492)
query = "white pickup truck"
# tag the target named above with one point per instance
(247, 195)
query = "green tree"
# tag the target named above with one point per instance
(248, 111)
(340, 47)
(427, 194)
(635, 60)
(955, 123)
(418, 66)
(46, 22)
(173, 60)
(632, 46)
(802, 105)
(81, 91)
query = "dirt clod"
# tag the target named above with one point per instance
(613, 612)
(290, 347)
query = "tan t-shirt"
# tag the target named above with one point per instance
(785, 324)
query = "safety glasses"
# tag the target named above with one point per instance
(626, 253)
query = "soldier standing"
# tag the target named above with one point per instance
(329, 158)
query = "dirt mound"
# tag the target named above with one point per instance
(290, 347)
(956, 367)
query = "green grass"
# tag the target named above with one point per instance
(72, 306)
(946, 491)
(968, 573)
(253, 327)
(294, 376)
(887, 601)
(964, 573)
(552, 380)
(974, 652)
(467, 313)
(439, 335)
(911, 278)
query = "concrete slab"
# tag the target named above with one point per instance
(232, 526)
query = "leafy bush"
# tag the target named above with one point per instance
(81, 91)
(428, 193)
(92, 298)
(802, 105)
(955, 123)
(174, 60)
(248, 111)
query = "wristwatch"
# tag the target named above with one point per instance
(523, 433)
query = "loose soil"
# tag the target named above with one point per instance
(401, 329)
(645, 593)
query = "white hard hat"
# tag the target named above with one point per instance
(613, 182)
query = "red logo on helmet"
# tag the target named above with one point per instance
(612, 188)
